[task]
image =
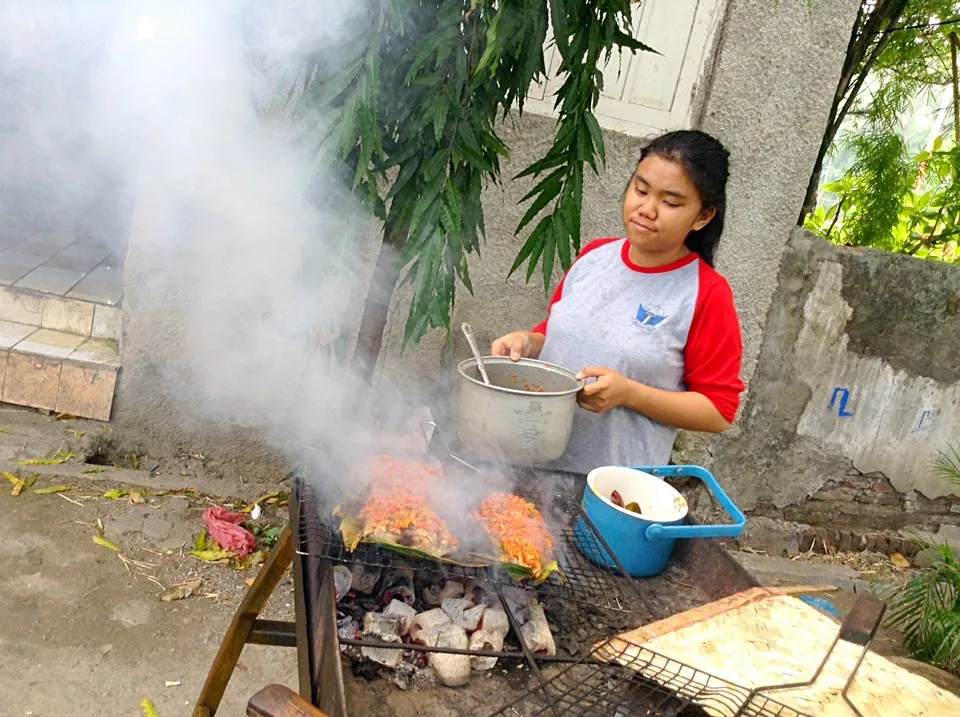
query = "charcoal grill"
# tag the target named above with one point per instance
(583, 686)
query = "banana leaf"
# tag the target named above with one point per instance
(351, 530)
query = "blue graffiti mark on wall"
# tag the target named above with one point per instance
(843, 395)
(926, 420)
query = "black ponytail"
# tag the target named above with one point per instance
(706, 162)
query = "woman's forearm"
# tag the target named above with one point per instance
(688, 410)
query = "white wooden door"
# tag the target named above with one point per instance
(646, 93)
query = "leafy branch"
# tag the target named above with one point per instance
(405, 112)
(579, 140)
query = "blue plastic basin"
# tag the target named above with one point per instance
(644, 543)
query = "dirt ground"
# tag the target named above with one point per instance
(83, 628)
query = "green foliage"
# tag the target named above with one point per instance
(406, 110)
(896, 150)
(927, 608)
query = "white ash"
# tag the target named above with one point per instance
(427, 620)
(382, 626)
(536, 633)
(386, 656)
(400, 609)
(451, 670)
(463, 613)
(495, 622)
(482, 640)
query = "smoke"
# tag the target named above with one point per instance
(166, 122)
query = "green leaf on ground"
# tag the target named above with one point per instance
(100, 540)
(59, 458)
(53, 489)
(212, 556)
(115, 494)
(149, 710)
(98, 469)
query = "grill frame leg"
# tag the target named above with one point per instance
(238, 633)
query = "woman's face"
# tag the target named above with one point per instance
(661, 207)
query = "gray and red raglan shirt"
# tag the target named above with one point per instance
(673, 327)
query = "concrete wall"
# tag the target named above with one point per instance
(857, 388)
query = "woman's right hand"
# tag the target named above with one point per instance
(518, 345)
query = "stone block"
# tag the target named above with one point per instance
(75, 317)
(21, 307)
(87, 391)
(31, 381)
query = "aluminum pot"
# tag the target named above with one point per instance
(524, 416)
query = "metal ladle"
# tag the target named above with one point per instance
(468, 332)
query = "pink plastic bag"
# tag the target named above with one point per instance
(224, 527)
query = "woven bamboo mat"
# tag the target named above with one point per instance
(762, 637)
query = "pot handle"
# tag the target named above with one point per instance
(658, 531)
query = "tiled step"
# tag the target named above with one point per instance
(58, 354)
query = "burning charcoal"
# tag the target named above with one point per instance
(342, 580)
(463, 613)
(398, 585)
(451, 670)
(452, 589)
(400, 609)
(386, 656)
(480, 591)
(383, 627)
(431, 595)
(495, 622)
(481, 640)
(519, 602)
(536, 633)
(364, 579)
(428, 620)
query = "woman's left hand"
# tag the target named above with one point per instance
(610, 390)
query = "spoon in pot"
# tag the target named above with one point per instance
(468, 332)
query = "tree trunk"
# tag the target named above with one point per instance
(376, 306)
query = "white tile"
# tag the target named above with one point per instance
(21, 306)
(75, 317)
(11, 333)
(107, 322)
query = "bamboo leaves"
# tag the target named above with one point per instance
(411, 107)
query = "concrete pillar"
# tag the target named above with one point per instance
(776, 69)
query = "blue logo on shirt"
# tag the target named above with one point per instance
(649, 316)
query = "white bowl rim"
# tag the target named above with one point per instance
(679, 515)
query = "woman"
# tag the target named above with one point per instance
(646, 319)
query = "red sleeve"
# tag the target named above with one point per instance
(714, 348)
(541, 328)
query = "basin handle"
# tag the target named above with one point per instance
(657, 531)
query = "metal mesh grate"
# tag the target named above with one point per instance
(586, 583)
(614, 683)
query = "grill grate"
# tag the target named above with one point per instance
(585, 583)
(643, 683)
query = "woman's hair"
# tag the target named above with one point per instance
(706, 162)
